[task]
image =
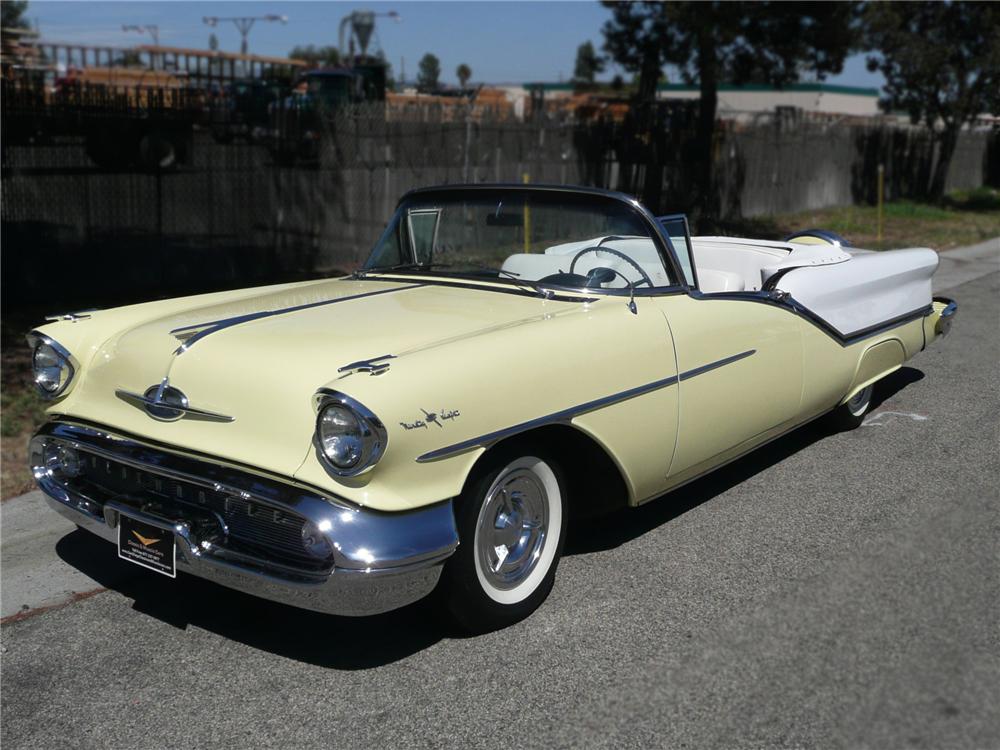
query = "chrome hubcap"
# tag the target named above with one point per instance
(512, 528)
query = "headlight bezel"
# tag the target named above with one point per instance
(374, 438)
(68, 363)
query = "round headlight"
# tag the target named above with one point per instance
(341, 435)
(51, 366)
(350, 438)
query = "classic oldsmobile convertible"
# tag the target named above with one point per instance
(508, 356)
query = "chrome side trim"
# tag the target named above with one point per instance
(207, 329)
(565, 415)
(688, 374)
(792, 305)
(142, 401)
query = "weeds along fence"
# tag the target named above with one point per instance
(301, 195)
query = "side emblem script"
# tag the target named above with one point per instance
(431, 417)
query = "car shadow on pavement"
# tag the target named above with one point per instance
(598, 534)
(324, 640)
(362, 643)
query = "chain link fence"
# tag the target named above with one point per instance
(303, 195)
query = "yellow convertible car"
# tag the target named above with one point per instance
(507, 358)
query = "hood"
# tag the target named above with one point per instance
(260, 360)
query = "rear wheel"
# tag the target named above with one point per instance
(851, 414)
(511, 521)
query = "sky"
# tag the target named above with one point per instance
(503, 42)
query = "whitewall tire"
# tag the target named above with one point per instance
(511, 521)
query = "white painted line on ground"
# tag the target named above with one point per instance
(882, 418)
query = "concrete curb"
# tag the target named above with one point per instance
(34, 577)
(964, 264)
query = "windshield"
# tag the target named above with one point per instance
(549, 237)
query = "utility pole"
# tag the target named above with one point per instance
(154, 31)
(243, 24)
(151, 28)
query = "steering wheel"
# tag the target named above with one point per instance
(597, 249)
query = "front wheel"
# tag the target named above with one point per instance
(511, 521)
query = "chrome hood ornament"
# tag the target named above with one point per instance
(168, 404)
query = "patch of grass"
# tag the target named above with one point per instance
(21, 407)
(963, 219)
(22, 411)
(980, 199)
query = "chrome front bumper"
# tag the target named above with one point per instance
(378, 561)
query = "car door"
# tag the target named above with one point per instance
(739, 365)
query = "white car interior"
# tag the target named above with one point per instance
(723, 264)
(569, 257)
(850, 289)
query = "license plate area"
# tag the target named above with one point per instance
(149, 546)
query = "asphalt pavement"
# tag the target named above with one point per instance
(828, 590)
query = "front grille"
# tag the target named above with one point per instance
(255, 528)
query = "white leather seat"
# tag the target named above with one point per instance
(713, 280)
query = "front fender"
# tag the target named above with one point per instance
(471, 392)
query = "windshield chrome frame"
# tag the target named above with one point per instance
(657, 233)
(687, 237)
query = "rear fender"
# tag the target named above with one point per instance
(878, 361)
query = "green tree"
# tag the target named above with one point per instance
(588, 65)
(128, 58)
(941, 63)
(317, 57)
(12, 13)
(711, 43)
(429, 70)
(464, 73)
